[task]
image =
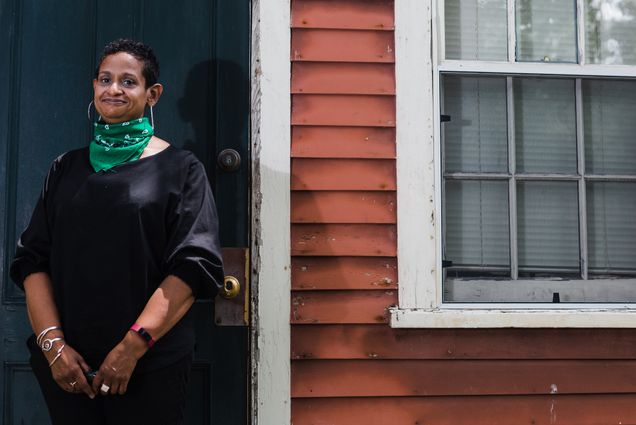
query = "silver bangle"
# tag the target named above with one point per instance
(47, 344)
(44, 332)
(57, 356)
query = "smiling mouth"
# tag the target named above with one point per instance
(113, 101)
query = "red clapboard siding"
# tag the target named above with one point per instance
(360, 378)
(343, 207)
(323, 45)
(342, 306)
(343, 110)
(343, 174)
(343, 78)
(343, 142)
(495, 410)
(382, 342)
(373, 240)
(344, 14)
(310, 273)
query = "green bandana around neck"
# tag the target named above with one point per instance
(116, 144)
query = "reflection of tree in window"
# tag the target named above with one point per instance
(610, 27)
(546, 31)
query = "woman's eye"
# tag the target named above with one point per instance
(129, 82)
(104, 80)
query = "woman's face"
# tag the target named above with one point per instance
(120, 92)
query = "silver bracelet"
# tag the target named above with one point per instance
(47, 344)
(57, 356)
(44, 332)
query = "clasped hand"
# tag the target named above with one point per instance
(113, 374)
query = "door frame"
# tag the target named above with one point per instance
(270, 204)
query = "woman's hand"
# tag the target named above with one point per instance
(68, 371)
(119, 364)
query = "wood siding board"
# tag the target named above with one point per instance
(343, 174)
(343, 110)
(343, 207)
(370, 240)
(343, 14)
(382, 342)
(323, 45)
(342, 273)
(343, 142)
(495, 410)
(338, 307)
(343, 78)
(359, 378)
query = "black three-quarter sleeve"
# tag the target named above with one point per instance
(34, 246)
(193, 251)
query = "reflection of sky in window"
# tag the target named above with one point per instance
(611, 27)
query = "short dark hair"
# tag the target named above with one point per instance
(140, 51)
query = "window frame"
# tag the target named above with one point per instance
(418, 165)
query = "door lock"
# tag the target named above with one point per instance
(229, 160)
(231, 287)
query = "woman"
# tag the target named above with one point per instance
(123, 238)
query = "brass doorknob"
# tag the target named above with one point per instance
(231, 287)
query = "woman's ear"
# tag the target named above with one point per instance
(154, 93)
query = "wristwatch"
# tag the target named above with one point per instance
(139, 330)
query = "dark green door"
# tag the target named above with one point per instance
(48, 51)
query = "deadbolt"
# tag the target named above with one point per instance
(229, 160)
(231, 287)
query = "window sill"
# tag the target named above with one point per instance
(495, 316)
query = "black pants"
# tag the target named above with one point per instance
(153, 398)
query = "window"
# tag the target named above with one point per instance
(533, 160)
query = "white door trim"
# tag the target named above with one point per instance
(271, 256)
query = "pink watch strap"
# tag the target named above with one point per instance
(139, 330)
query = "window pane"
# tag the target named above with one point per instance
(477, 226)
(548, 225)
(476, 137)
(546, 30)
(545, 125)
(610, 126)
(476, 29)
(610, 29)
(611, 226)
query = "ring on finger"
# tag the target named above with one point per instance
(72, 384)
(105, 388)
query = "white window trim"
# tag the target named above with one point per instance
(419, 195)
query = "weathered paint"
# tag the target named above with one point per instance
(349, 367)
(343, 142)
(343, 78)
(343, 174)
(313, 307)
(318, 273)
(342, 46)
(361, 378)
(343, 207)
(343, 110)
(366, 240)
(417, 168)
(270, 232)
(486, 410)
(352, 14)
(358, 341)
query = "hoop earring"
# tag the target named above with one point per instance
(88, 112)
(152, 118)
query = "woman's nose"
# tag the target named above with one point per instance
(114, 88)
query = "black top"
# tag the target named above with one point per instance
(108, 240)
